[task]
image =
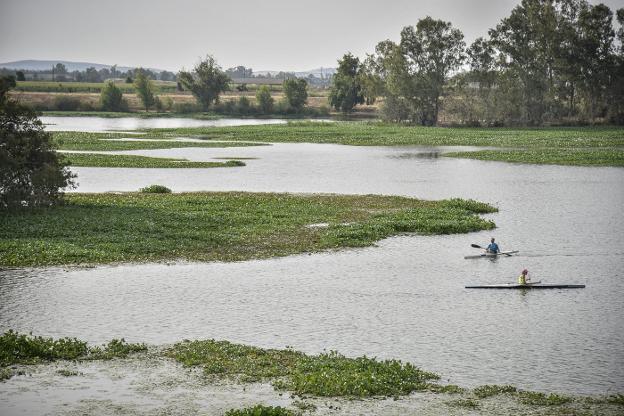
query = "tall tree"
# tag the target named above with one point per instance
(31, 173)
(206, 82)
(346, 89)
(144, 89)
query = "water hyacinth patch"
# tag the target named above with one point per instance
(131, 161)
(222, 226)
(490, 390)
(329, 374)
(260, 410)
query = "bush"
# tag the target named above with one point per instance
(66, 103)
(243, 106)
(111, 98)
(264, 99)
(186, 108)
(155, 189)
(31, 173)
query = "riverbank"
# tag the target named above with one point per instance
(227, 226)
(213, 377)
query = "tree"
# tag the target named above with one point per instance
(60, 69)
(416, 69)
(264, 99)
(30, 171)
(206, 82)
(144, 89)
(296, 92)
(346, 90)
(92, 75)
(20, 76)
(111, 98)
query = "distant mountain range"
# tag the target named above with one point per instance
(37, 65)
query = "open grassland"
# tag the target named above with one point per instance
(136, 227)
(112, 141)
(131, 161)
(550, 156)
(316, 384)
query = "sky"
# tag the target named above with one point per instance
(289, 35)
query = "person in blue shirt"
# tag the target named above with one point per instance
(493, 247)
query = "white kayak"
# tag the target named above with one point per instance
(490, 255)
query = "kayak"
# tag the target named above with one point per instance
(534, 285)
(490, 255)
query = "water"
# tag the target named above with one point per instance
(99, 124)
(403, 299)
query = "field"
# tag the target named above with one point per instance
(135, 227)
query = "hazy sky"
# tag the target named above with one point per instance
(267, 34)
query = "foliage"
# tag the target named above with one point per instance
(111, 98)
(104, 228)
(66, 103)
(206, 82)
(489, 390)
(542, 399)
(415, 70)
(16, 348)
(264, 100)
(5, 374)
(30, 171)
(346, 90)
(144, 89)
(20, 76)
(329, 374)
(296, 92)
(260, 410)
(155, 189)
(465, 403)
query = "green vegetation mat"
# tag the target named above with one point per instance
(18, 348)
(385, 134)
(570, 156)
(70, 140)
(130, 161)
(329, 374)
(585, 146)
(104, 228)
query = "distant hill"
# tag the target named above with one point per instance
(302, 74)
(38, 65)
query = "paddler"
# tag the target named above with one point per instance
(493, 247)
(522, 279)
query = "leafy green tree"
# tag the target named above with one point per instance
(31, 173)
(60, 69)
(111, 98)
(206, 82)
(144, 89)
(346, 90)
(296, 92)
(20, 76)
(416, 69)
(264, 99)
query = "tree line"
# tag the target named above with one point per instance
(548, 62)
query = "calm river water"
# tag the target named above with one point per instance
(404, 298)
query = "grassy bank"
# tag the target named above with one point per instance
(105, 228)
(131, 161)
(550, 156)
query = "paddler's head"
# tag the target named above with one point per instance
(492, 240)
(525, 271)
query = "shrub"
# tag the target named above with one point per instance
(243, 106)
(186, 108)
(111, 98)
(66, 103)
(264, 99)
(155, 189)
